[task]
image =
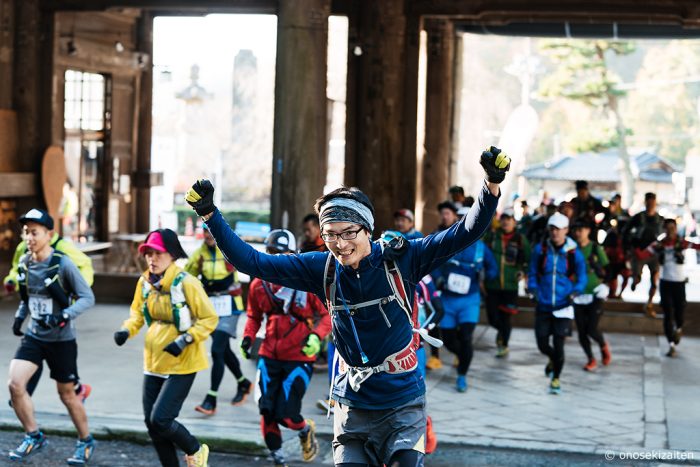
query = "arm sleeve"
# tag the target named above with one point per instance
(80, 259)
(203, 314)
(490, 265)
(581, 272)
(435, 250)
(22, 310)
(136, 320)
(12, 275)
(602, 257)
(323, 327)
(254, 313)
(301, 272)
(72, 277)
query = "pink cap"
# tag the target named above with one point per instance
(153, 241)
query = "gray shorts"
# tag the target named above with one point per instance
(372, 436)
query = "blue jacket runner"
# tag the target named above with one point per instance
(368, 282)
(551, 285)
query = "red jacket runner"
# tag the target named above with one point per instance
(285, 334)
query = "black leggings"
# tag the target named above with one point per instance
(587, 318)
(673, 303)
(221, 354)
(499, 319)
(162, 401)
(459, 341)
(403, 458)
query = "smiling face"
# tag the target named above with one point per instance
(36, 236)
(349, 253)
(158, 261)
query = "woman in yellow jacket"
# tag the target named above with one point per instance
(180, 317)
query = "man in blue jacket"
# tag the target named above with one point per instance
(557, 274)
(379, 397)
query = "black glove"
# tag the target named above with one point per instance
(121, 336)
(176, 347)
(53, 321)
(201, 197)
(17, 327)
(495, 164)
(246, 344)
(395, 248)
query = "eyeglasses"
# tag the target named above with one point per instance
(347, 235)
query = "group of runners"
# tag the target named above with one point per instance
(377, 300)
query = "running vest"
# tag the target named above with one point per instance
(52, 281)
(182, 318)
(570, 261)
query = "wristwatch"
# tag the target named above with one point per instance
(188, 338)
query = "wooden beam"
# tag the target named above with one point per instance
(144, 103)
(7, 46)
(202, 6)
(18, 184)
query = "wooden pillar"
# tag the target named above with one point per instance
(381, 131)
(438, 119)
(300, 138)
(142, 176)
(7, 45)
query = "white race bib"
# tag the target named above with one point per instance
(458, 283)
(567, 312)
(222, 304)
(40, 307)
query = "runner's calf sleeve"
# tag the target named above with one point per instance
(271, 433)
(295, 423)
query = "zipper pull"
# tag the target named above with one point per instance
(357, 273)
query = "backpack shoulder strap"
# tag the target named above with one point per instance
(329, 278)
(393, 275)
(543, 258)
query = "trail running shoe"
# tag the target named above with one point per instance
(591, 365)
(650, 311)
(430, 437)
(502, 352)
(84, 392)
(433, 363)
(607, 355)
(208, 406)
(461, 383)
(555, 386)
(244, 388)
(199, 458)
(278, 458)
(83, 452)
(677, 336)
(549, 369)
(29, 445)
(309, 444)
(671, 351)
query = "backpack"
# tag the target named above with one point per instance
(570, 261)
(182, 318)
(52, 281)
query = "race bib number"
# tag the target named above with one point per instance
(222, 304)
(583, 299)
(567, 312)
(458, 283)
(40, 307)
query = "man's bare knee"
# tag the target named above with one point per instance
(67, 394)
(17, 388)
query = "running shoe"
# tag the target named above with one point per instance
(591, 365)
(244, 388)
(499, 339)
(83, 451)
(677, 334)
(278, 458)
(461, 383)
(549, 369)
(671, 351)
(607, 356)
(84, 392)
(323, 405)
(309, 444)
(650, 311)
(430, 438)
(555, 386)
(433, 363)
(502, 352)
(199, 458)
(208, 407)
(29, 445)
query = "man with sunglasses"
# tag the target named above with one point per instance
(557, 275)
(378, 395)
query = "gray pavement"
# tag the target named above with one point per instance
(642, 402)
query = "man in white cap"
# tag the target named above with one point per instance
(557, 274)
